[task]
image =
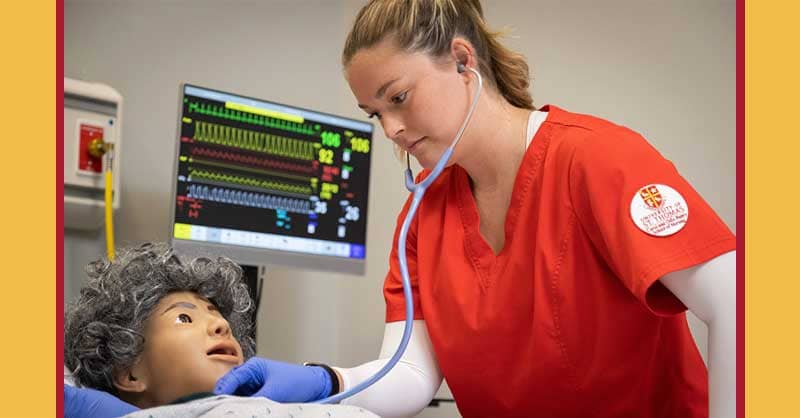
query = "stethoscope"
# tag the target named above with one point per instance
(418, 189)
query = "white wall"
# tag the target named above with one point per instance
(665, 69)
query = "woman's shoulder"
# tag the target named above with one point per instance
(580, 143)
(589, 135)
(579, 126)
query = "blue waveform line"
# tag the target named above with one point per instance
(251, 199)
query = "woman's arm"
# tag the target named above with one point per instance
(409, 386)
(709, 291)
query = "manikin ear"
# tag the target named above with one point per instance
(462, 51)
(128, 380)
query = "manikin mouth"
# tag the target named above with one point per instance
(222, 349)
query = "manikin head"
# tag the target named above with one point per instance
(150, 328)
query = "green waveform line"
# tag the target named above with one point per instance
(254, 141)
(247, 117)
(249, 181)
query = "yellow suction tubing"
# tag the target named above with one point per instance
(109, 200)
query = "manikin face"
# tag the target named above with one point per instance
(420, 102)
(188, 347)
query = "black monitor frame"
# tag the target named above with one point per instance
(265, 256)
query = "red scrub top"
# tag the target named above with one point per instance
(568, 320)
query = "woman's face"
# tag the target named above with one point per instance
(188, 347)
(420, 102)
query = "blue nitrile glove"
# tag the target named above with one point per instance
(85, 402)
(281, 382)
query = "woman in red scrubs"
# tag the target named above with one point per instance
(553, 260)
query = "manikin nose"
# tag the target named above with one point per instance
(219, 327)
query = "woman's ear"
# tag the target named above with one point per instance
(462, 52)
(130, 380)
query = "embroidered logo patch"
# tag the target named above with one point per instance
(659, 210)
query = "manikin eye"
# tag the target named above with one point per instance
(184, 318)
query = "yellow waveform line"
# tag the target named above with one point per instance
(263, 112)
(248, 181)
(254, 141)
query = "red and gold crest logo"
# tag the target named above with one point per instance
(651, 197)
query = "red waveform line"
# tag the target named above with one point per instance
(249, 159)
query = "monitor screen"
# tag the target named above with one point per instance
(266, 183)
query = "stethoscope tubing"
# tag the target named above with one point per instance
(418, 189)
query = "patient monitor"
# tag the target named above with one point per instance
(267, 183)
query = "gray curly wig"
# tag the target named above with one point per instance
(103, 326)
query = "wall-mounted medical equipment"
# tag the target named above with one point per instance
(92, 126)
(266, 183)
